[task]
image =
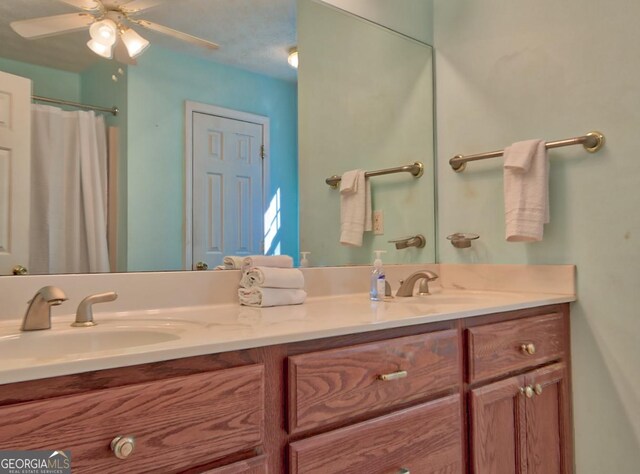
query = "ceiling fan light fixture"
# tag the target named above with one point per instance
(104, 31)
(101, 49)
(135, 43)
(293, 58)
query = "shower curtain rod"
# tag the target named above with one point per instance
(112, 110)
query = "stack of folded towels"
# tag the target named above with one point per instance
(271, 281)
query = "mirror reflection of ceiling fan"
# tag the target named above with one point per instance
(110, 27)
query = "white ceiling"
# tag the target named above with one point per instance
(253, 34)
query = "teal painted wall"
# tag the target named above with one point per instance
(509, 71)
(157, 89)
(47, 82)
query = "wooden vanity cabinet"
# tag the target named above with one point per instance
(173, 424)
(486, 395)
(522, 423)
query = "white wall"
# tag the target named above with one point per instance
(507, 71)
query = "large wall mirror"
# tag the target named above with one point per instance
(362, 98)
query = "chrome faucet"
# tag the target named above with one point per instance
(84, 313)
(38, 315)
(406, 286)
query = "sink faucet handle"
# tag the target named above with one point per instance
(84, 313)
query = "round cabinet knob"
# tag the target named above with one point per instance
(201, 266)
(123, 446)
(538, 389)
(528, 391)
(528, 348)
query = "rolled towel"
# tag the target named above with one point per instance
(278, 261)
(272, 278)
(264, 297)
(233, 262)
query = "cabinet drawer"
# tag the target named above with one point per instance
(422, 440)
(496, 349)
(339, 384)
(257, 465)
(177, 422)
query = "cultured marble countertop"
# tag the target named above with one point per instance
(138, 337)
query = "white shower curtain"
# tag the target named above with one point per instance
(68, 232)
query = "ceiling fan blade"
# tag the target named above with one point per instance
(121, 54)
(176, 34)
(86, 5)
(52, 25)
(135, 6)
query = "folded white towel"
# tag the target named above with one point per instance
(264, 297)
(232, 262)
(526, 191)
(278, 261)
(355, 207)
(272, 278)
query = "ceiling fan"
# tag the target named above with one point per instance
(110, 27)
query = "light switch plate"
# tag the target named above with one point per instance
(378, 222)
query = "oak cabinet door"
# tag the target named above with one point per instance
(548, 422)
(498, 433)
(522, 425)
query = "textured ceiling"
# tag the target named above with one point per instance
(253, 34)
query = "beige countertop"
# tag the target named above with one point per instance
(127, 338)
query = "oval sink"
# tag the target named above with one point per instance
(51, 344)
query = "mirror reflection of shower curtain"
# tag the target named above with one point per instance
(68, 230)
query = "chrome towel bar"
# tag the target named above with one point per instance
(416, 169)
(592, 142)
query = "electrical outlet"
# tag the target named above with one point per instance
(378, 222)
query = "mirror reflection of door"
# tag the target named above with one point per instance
(228, 182)
(15, 159)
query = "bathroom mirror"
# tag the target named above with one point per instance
(249, 73)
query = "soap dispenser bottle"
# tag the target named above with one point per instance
(377, 288)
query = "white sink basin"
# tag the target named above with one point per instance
(55, 344)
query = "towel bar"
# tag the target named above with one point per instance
(416, 169)
(592, 142)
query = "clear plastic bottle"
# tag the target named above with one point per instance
(378, 279)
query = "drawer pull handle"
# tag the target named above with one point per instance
(538, 389)
(528, 348)
(404, 470)
(123, 446)
(393, 375)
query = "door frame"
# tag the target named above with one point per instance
(192, 107)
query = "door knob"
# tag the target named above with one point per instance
(201, 266)
(19, 270)
(528, 391)
(538, 389)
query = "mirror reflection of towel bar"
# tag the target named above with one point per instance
(416, 169)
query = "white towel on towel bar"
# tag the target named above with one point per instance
(355, 207)
(526, 191)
